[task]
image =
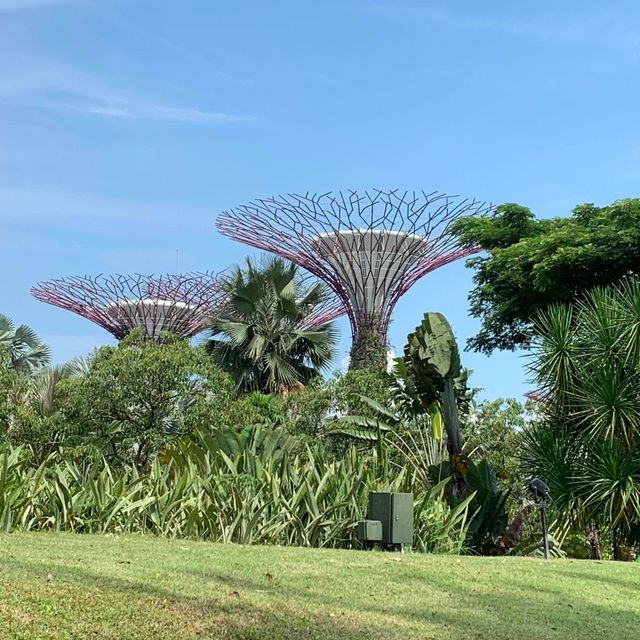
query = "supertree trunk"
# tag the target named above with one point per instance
(369, 348)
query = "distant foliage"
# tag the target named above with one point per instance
(322, 401)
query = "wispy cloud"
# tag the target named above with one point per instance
(66, 209)
(28, 79)
(8, 6)
(607, 29)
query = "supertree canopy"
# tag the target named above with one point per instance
(179, 304)
(369, 247)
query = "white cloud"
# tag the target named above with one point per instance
(58, 208)
(8, 6)
(28, 79)
(604, 29)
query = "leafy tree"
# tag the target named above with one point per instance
(586, 359)
(531, 263)
(140, 395)
(322, 400)
(263, 339)
(25, 351)
(492, 431)
(43, 419)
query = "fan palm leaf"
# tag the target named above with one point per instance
(27, 353)
(261, 338)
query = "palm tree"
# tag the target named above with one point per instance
(267, 338)
(25, 351)
(586, 360)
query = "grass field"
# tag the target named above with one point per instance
(73, 586)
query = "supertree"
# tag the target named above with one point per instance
(179, 304)
(369, 247)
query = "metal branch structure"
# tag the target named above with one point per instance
(369, 247)
(327, 311)
(179, 304)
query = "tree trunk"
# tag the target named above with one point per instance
(512, 535)
(593, 537)
(457, 460)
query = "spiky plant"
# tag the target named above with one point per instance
(586, 361)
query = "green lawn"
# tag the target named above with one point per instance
(73, 586)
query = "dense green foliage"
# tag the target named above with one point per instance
(491, 432)
(137, 397)
(266, 337)
(253, 486)
(12, 386)
(531, 263)
(586, 445)
(153, 437)
(370, 348)
(44, 418)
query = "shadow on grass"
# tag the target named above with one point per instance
(227, 616)
(519, 608)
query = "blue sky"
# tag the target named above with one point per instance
(127, 125)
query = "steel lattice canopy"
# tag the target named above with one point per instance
(369, 247)
(370, 262)
(179, 304)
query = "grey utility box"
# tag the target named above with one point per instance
(389, 519)
(370, 530)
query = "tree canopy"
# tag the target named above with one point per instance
(137, 397)
(530, 263)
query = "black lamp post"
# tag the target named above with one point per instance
(540, 492)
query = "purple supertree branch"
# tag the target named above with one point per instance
(369, 247)
(181, 304)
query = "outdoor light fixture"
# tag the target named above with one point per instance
(540, 492)
(538, 488)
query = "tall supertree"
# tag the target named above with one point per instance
(179, 304)
(369, 247)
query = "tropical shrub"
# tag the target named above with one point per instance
(255, 486)
(586, 445)
(138, 397)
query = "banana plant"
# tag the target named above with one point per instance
(436, 383)
(367, 429)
